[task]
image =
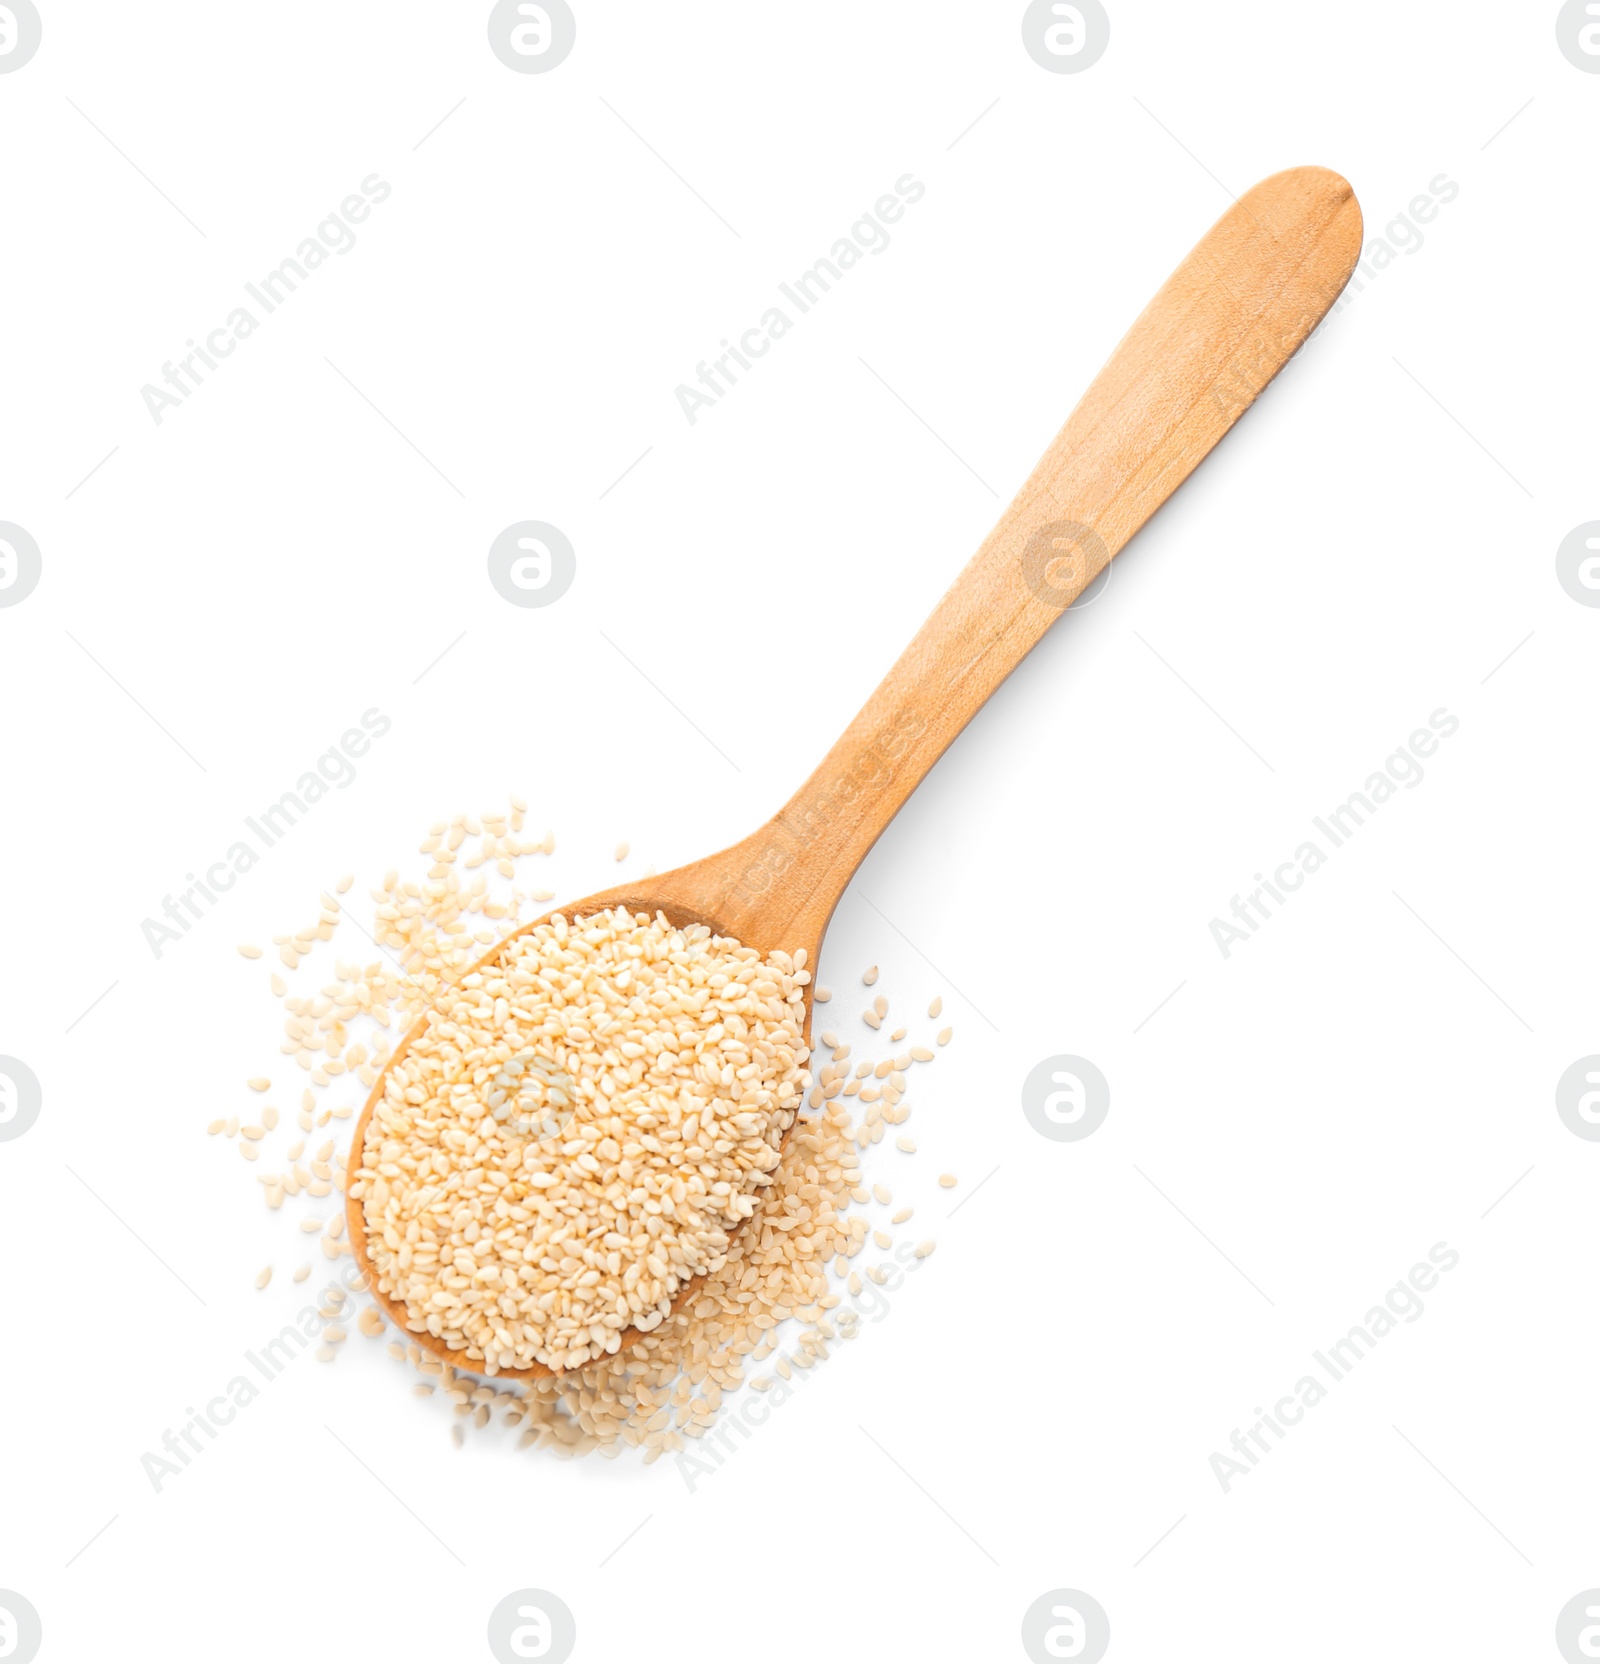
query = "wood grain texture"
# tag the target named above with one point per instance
(1218, 330)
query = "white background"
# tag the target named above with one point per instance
(1288, 1134)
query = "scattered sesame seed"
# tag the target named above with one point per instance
(947, 1181)
(264, 1276)
(249, 950)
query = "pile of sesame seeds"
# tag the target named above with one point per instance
(578, 1132)
(786, 1292)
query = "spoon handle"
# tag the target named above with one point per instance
(1220, 328)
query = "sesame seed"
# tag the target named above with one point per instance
(906, 1144)
(947, 1181)
(870, 975)
(264, 1276)
(937, 1005)
(943, 1036)
(249, 950)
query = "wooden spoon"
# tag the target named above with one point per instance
(1219, 329)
